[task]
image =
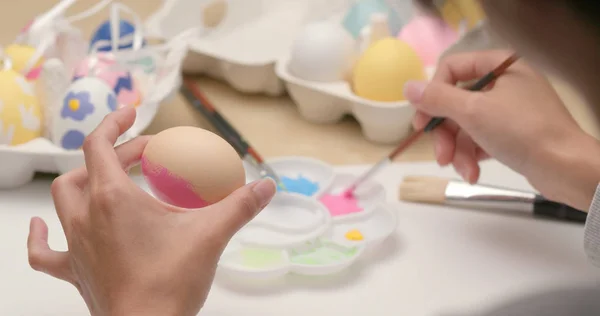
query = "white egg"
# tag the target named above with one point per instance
(323, 51)
(86, 102)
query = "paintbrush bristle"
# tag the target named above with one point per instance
(423, 189)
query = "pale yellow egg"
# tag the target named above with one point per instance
(20, 111)
(384, 68)
(20, 56)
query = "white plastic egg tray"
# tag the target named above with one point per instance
(296, 233)
(243, 49)
(381, 122)
(156, 69)
(250, 51)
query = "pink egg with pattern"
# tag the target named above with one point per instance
(190, 167)
(105, 68)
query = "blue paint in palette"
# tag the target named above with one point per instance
(300, 185)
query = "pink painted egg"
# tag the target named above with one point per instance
(429, 37)
(104, 67)
(190, 167)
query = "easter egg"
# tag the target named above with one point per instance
(359, 16)
(86, 102)
(190, 167)
(20, 111)
(429, 36)
(102, 38)
(384, 68)
(323, 51)
(105, 68)
(20, 56)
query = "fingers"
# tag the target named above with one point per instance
(101, 159)
(444, 145)
(236, 210)
(130, 153)
(68, 196)
(420, 120)
(440, 99)
(470, 66)
(44, 259)
(481, 154)
(465, 159)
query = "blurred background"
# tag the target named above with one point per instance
(260, 118)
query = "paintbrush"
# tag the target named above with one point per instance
(433, 123)
(434, 190)
(195, 97)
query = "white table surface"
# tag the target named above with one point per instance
(440, 261)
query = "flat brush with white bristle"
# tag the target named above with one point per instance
(434, 190)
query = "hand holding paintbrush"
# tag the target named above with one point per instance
(435, 122)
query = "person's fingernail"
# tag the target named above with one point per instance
(264, 190)
(413, 91)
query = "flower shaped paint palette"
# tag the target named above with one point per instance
(309, 233)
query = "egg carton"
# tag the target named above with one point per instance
(250, 47)
(157, 70)
(381, 122)
(242, 47)
(323, 103)
(246, 51)
(298, 234)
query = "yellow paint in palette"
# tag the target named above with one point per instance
(455, 11)
(354, 235)
(20, 111)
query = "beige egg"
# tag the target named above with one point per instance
(191, 167)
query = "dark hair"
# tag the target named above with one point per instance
(587, 9)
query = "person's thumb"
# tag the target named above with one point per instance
(236, 210)
(438, 99)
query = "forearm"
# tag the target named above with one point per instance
(571, 171)
(163, 305)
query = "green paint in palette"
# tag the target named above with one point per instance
(261, 258)
(323, 254)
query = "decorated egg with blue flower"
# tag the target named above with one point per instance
(86, 102)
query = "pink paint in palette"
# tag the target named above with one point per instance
(340, 205)
(170, 188)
